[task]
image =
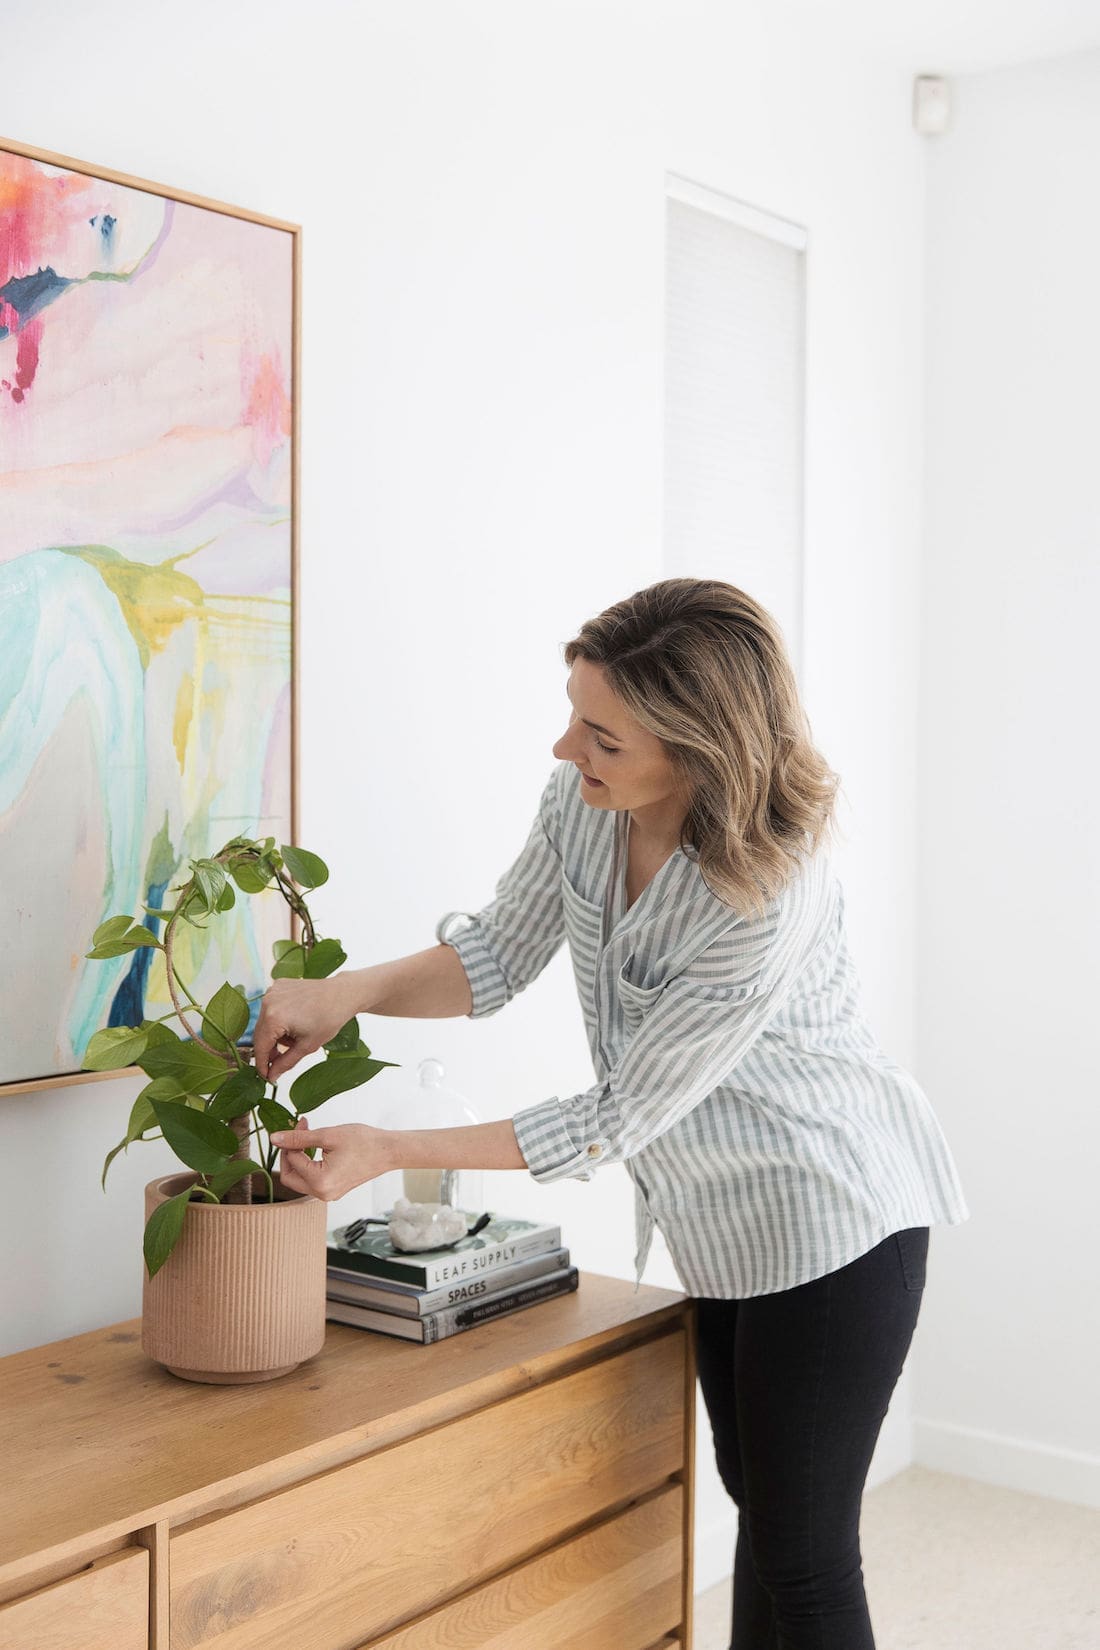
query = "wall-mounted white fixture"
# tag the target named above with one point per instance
(931, 104)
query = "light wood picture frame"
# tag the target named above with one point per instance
(150, 385)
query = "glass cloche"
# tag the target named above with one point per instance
(427, 1103)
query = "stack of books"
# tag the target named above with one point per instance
(433, 1293)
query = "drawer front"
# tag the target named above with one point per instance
(611, 1588)
(105, 1607)
(353, 1553)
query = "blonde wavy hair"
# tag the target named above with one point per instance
(702, 666)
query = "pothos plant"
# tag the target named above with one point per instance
(204, 1096)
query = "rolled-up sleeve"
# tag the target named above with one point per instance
(692, 1035)
(507, 944)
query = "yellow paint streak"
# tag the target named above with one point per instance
(154, 599)
(181, 721)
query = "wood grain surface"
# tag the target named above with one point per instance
(354, 1552)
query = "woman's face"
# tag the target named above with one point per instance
(624, 765)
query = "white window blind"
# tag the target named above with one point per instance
(733, 419)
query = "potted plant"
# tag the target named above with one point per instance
(234, 1283)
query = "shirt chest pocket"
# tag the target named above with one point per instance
(636, 1000)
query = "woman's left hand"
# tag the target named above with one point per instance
(352, 1153)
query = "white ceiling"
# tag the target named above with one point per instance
(960, 36)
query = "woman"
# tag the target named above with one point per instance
(792, 1167)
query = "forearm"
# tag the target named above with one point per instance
(474, 1146)
(428, 985)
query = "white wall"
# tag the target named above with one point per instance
(481, 190)
(1009, 903)
(786, 119)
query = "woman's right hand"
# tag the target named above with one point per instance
(296, 1017)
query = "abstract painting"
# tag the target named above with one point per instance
(148, 510)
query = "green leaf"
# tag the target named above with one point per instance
(331, 1077)
(324, 959)
(226, 1017)
(162, 1230)
(118, 942)
(158, 911)
(307, 869)
(209, 879)
(291, 961)
(108, 1160)
(274, 1115)
(347, 1040)
(139, 935)
(114, 1048)
(164, 1088)
(237, 1095)
(250, 876)
(142, 1117)
(196, 1070)
(191, 907)
(157, 1032)
(197, 1139)
(227, 898)
(237, 1170)
(111, 929)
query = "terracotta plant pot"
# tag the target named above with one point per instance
(242, 1295)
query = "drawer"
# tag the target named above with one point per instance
(355, 1552)
(611, 1588)
(105, 1607)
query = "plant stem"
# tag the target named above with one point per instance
(298, 906)
(171, 977)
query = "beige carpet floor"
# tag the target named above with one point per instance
(953, 1564)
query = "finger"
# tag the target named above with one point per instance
(294, 1181)
(299, 1048)
(305, 1167)
(306, 1175)
(270, 1031)
(286, 1059)
(261, 1042)
(299, 1138)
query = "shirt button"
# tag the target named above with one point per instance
(594, 1151)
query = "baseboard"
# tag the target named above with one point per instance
(1010, 1463)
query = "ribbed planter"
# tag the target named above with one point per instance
(242, 1295)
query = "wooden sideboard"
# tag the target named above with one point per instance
(526, 1485)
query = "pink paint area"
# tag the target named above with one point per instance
(44, 219)
(26, 359)
(53, 230)
(161, 398)
(267, 403)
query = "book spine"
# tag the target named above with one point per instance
(357, 1289)
(452, 1321)
(381, 1323)
(458, 1268)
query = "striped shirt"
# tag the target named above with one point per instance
(767, 1135)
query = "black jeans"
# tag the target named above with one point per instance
(797, 1384)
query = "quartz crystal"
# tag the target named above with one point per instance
(425, 1225)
